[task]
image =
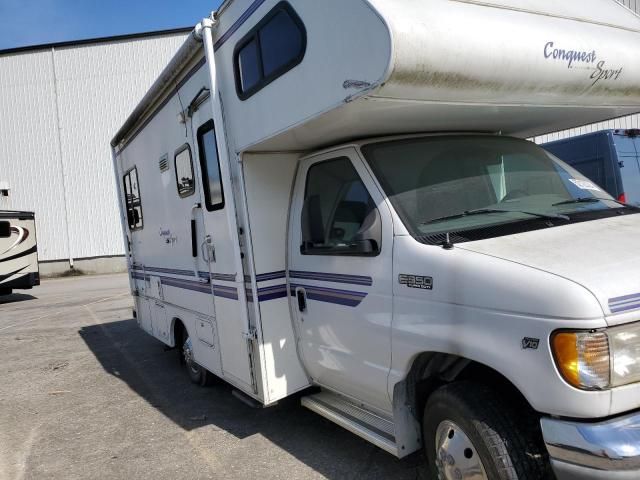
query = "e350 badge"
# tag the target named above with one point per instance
(416, 281)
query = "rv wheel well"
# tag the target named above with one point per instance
(178, 332)
(433, 370)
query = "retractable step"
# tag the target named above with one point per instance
(352, 416)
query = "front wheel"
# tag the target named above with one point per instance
(471, 434)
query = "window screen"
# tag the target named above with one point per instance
(210, 164)
(336, 208)
(272, 48)
(184, 171)
(133, 200)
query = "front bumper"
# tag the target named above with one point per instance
(602, 450)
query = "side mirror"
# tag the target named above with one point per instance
(369, 237)
(5, 229)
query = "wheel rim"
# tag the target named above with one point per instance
(187, 351)
(456, 456)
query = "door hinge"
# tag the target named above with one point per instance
(251, 335)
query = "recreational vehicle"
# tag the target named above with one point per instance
(335, 199)
(18, 252)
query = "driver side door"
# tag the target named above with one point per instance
(340, 265)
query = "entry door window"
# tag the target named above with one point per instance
(210, 164)
(339, 216)
(184, 172)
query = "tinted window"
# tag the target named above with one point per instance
(210, 164)
(133, 200)
(249, 66)
(336, 208)
(280, 42)
(184, 172)
(273, 47)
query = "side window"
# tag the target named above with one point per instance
(133, 200)
(184, 171)
(210, 164)
(339, 216)
(5, 229)
(276, 45)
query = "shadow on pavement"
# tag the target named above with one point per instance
(15, 298)
(140, 361)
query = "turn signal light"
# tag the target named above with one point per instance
(583, 359)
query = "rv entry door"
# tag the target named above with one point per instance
(216, 249)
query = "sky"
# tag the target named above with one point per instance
(33, 22)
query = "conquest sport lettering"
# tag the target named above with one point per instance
(599, 72)
(569, 56)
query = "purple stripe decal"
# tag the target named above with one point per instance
(625, 303)
(330, 295)
(624, 308)
(218, 290)
(263, 277)
(272, 293)
(224, 277)
(238, 23)
(626, 297)
(333, 277)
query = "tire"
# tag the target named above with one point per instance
(5, 291)
(197, 373)
(467, 428)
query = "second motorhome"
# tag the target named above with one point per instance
(338, 195)
(18, 252)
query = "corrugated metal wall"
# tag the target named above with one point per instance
(59, 109)
(632, 4)
(632, 121)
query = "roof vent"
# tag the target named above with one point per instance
(164, 163)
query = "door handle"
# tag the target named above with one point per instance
(208, 246)
(301, 296)
(205, 252)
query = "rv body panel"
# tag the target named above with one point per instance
(18, 251)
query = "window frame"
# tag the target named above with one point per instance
(203, 129)
(333, 251)
(254, 35)
(128, 205)
(183, 148)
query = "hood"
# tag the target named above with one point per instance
(601, 255)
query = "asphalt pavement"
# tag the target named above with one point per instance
(86, 394)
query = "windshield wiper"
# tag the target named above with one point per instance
(482, 211)
(591, 200)
(580, 200)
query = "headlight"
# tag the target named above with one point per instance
(598, 360)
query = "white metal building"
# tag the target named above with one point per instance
(59, 107)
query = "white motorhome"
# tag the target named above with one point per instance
(339, 195)
(18, 252)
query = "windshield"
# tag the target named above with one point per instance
(447, 184)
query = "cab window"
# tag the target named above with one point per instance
(339, 216)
